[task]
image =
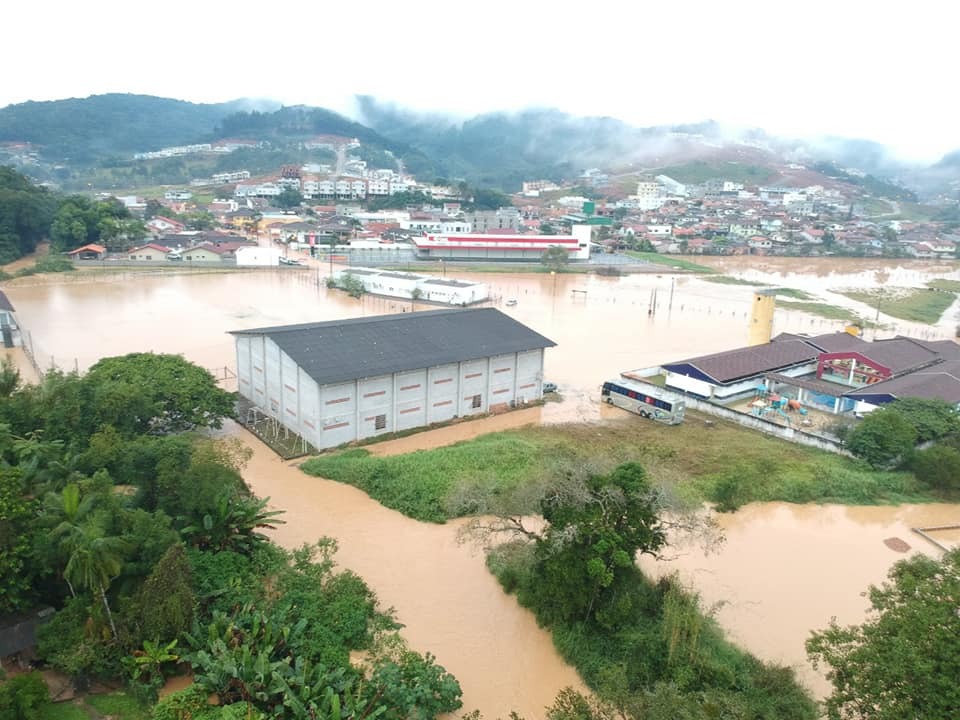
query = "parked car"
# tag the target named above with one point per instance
(289, 261)
(549, 387)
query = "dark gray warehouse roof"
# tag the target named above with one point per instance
(341, 350)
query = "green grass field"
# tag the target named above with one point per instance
(728, 280)
(913, 304)
(793, 293)
(944, 284)
(703, 461)
(831, 312)
(116, 705)
(669, 260)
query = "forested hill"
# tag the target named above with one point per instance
(84, 129)
(293, 122)
(503, 149)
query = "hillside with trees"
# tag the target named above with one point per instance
(83, 130)
(29, 214)
(26, 212)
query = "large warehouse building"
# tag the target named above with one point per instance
(503, 246)
(345, 380)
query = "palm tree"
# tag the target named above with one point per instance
(95, 560)
(71, 509)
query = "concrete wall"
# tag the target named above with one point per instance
(331, 415)
(750, 421)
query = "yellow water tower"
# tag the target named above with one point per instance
(761, 317)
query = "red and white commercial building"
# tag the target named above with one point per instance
(503, 246)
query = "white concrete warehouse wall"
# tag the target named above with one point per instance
(503, 372)
(258, 380)
(271, 371)
(290, 393)
(443, 392)
(410, 391)
(376, 400)
(309, 408)
(243, 367)
(338, 414)
(529, 380)
(473, 381)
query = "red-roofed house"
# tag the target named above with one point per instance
(88, 252)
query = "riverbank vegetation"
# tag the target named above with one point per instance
(913, 304)
(904, 660)
(715, 461)
(646, 649)
(138, 529)
(922, 436)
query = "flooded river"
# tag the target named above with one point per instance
(783, 571)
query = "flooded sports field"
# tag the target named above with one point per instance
(783, 570)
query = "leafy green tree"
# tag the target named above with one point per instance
(555, 258)
(547, 229)
(596, 527)
(938, 467)
(201, 220)
(904, 660)
(22, 696)
(486, 199)
(18, 534)
(147, 392)
(410, 685)
(289, 198)
(167, 601)
(882, 438)
(933, 419)
(26, 212)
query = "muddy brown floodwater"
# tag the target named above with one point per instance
(783, 571)
(441, 590)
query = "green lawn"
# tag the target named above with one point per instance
(831, 312)
(914, 304)
(670, 260)
(705, 462)
(728, 280)
(944, 284)
(793, 293)
(63, 711)
(117, 705)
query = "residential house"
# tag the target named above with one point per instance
(88, 252)
(151, 252)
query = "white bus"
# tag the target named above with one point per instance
(644, 400)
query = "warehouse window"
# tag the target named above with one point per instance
(380, 422)
(477, 401)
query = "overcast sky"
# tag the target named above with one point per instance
(878, 70)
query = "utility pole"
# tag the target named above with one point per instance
(670, 304)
